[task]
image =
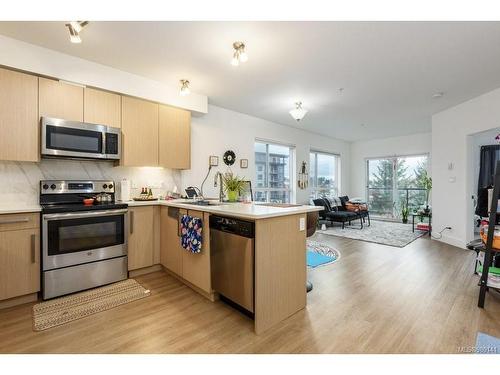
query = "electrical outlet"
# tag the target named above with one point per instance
(302, 224)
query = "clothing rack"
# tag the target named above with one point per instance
(489, 250)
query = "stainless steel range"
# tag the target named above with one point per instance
(83, 246)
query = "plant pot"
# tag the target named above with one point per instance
(405, 221)
(232, 196)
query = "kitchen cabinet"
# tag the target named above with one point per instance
(174, 137)
(140, 132)
(60, 100)
(19, 255)
(19, 139)
(102, 107)
(141, 237)
(170, 242)
(196, 267)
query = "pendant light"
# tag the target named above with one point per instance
(298, 112)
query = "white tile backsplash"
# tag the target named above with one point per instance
(19, 181)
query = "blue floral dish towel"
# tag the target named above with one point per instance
(191, 233)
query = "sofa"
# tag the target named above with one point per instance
(335, 210)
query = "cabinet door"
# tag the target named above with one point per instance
(19, 137)
(19, 262)
(175, 138)
(140, 132)
(196, 267)
(60, 100)
(170, 242)
(140, 238)
(102, 107)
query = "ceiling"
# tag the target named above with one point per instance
(389, 71)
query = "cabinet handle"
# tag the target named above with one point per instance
(12, 221)
(131, 222)
(33, 248)
(179, 224)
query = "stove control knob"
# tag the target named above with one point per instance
(110, 186)
(53, 186)
(45, 186)
(105, 186)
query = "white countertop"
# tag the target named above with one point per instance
(19, 208)
(251, 211)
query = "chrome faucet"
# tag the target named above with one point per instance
(221, 191)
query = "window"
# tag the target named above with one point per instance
(273, 163)
(323, 174)
(394, 182)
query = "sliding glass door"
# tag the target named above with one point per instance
(393, 182)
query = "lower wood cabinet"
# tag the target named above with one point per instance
(19, 255)
(194, 268)
(141, 237)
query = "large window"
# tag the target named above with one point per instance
(394, 181)
(273, 172)
(323, 174)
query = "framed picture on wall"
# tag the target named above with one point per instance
(213, 161)
(243, 163)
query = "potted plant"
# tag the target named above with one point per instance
(427, 185)
(405, 211)
(233, 185)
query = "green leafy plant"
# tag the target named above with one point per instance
(405, 212)
(233, 185)
(426, 182)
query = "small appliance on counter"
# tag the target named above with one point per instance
(83, 245)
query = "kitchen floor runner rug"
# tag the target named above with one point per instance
(66, 309)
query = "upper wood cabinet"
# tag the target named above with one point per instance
(140, 132)
(19, 122)
(60, 100)
(174, 138)
(102, 107)
(141, 241)
(19, 255)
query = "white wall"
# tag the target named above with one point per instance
(405, 145)
(222, 129)
(43, 61)
(451, 143)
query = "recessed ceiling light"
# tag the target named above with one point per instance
(184, 88)
(74, 28)
(298, 112)
(438, 95)
(239, 55)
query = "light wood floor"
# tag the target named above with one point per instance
(375, 299)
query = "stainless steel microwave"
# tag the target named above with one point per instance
(71, 139)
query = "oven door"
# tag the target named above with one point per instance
(73, 139)
(81, 237)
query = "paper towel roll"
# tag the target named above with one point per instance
(124, 190)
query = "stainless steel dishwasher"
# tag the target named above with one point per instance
(232, 259)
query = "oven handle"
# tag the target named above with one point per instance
(76, 215)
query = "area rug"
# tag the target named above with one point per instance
(486, 344)
(382, 232)
(62, 310)
(319, 254)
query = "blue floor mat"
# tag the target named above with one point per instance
(486, 344)
(315, 259)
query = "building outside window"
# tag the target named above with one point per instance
(324, 174)
(273, 165)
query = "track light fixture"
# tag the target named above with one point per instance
(298, 112)
(74, 28)
(239, 54)
(184, 87)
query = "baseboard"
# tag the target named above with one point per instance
(145, 270)
(213, 296)
(21, 300)
(453, 241)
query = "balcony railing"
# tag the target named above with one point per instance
(387, 202)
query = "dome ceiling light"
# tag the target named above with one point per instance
(239, 55)
(74, 28)
(184, 88)
(298, 112)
